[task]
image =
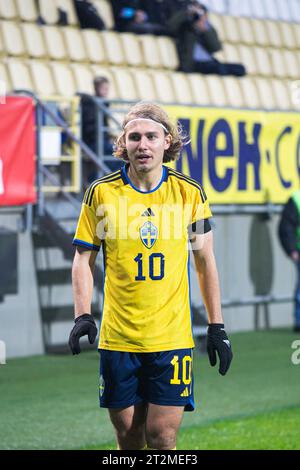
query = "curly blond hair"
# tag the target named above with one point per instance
(155, 113)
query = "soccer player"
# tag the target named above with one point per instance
(143, 216)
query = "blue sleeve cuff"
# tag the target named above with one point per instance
(85, 244)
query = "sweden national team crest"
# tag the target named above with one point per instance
(148, 234)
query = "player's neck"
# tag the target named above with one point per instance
(145, 181)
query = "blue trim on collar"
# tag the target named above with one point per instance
(127, 180)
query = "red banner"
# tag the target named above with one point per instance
(17, 152)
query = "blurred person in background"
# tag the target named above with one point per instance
(197, 40)
(88, 15)
(289, 236)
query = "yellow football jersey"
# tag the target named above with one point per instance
(144, 236)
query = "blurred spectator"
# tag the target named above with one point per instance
(89, 126)
(141, 16)
(88, 15)
(197, 40)
(289, 235)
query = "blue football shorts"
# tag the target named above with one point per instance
(161, 378)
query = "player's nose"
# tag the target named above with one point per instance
(143, 143)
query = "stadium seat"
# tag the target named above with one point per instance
(245, 31)
(94, 46)
(144, 85)
(13, 43)
(83, 78)
(125, 84)
(105, 11)
(291, 64)
(150, 51)
(263, 63)
(260, 32)
(163, 86)
(8, 10)
(5, 85)
(233, 92)
(265, 92)
(231, 52)
(217, 91)
(68, 7)
(26, 10)
(281, 94)
(217, 22)
(48, 11)
(182, 88)
(63, 78)
(42, 78)
(132, 50)
(113, 47)
(34, 40)
(199, 89)
(277, 63)
(168, 52)
(54, 42)
(287, 34)
(100, 71)
(19, 75)
(74, 44)
(250, 93)
(296, 34)
(248, 59)
(232, 32)
(274, 33)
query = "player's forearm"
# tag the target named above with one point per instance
(82, 282)
(209, 286)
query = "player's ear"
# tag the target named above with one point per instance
(168, 141)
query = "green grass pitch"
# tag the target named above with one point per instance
(51, 402)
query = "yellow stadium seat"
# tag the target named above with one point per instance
(101, 71)
(75, 44)
(68, 7)
(163, 86)
(63, 79)
(291, 64)
(8, 10)
(105, 11)
(246, 31)
(231, 53)
(34, 40)
(277, 63)
(248, 59)
(260, 32)
(281, 93)
(5, 85)
(296, 29)
(49, 11)
(217, 91)
(263, 63)
(168, 53)
(250, 93)
(287, 33)
(265, 92)
(232, 32)
(13, 43)
(19, 75)
(27, 10)
(42, 78)
(144, 85)
(150, 51)
(233, 92)
(182, 88)
(274, 34)
(83, 78)
(125, 84)
(113, 47)
(54, 42)
(94, 46)
(132, 50)
(199, 89)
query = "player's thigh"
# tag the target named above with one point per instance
(132, 418)
(163, 421)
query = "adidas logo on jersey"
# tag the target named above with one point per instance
(185, 393)
(148, 213)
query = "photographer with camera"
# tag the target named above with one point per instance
(197, 40)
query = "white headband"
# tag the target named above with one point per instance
(150, 120)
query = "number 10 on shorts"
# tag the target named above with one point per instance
(183, 371)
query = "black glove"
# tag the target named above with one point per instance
(217, 341)
(84, 325)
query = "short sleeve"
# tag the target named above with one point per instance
(200, 213)
(86, 232)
